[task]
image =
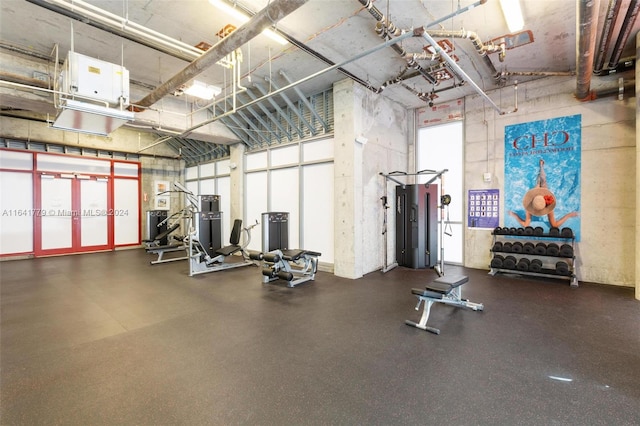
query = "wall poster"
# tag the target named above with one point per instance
(542, 162)
(484, 208)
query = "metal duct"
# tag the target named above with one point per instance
(275, 11)
(587, 24)
(607, 31)
(625, 31)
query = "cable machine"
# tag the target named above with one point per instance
(417, 235)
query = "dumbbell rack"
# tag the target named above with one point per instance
(543, 255)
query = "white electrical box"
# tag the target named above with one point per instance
(94, 80)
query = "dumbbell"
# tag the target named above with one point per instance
(528, 248)
(497, 261)
(540, 249)
(507, 247)
(509, 262)
(553, 249)
(523, 264)
(497, 246)
(566, 250)
(562, 268)
(516, 247)
(535, 265)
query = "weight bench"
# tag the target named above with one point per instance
(296, 266)
(445, 289)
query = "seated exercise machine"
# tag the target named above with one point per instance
(200, 261)
(295, 266)
(445, 289)
(159, 244)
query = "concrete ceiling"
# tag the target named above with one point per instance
(326, 32)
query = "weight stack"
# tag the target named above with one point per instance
(417, 225)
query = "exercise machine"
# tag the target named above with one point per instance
(446, 290)
(160, 232)
(279, 262)
(417, 221)
(207, 259)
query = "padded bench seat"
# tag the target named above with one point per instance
(295, 254)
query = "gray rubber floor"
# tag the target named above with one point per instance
(107, 338)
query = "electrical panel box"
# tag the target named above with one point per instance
(94, 80)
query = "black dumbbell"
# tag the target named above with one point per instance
(535, 265)
(566, 250)
(509, 262)
(553, 249)
(562, 268)
(523, 264)
(497, 261)
(540, 249)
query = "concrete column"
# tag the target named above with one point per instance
(347, 184)
(236, 164)
(637, 251)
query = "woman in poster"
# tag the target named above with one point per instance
(540, 201)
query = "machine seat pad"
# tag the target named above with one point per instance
(446, 283)
(228, 250)
(426, 293)
(295, 254)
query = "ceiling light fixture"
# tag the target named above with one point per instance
(202, 90)
(512, 14)
(243, 17)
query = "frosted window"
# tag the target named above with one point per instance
(222, 167)
(257, 160)
(317, 210)
(256, 204)
(285, 156)
(93, 219)
(191, 173)
(207, 170)
(317, 150)
(16, 212)
(441, 147)
(16, 160)
(207, 187)
(125, 169)
(126, 203)
(223, 189)
(284, 198)
(66, 164)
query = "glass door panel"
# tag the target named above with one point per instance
(94, 213)
(56, 212)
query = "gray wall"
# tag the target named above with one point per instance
(606, 252)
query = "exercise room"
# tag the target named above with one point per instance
(319, 212)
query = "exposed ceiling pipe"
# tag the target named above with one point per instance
(587, 24)
(106, 21)
(421, 32)
(303, 80)
(386, 29)
(481, 48)
(272, 13)
(607, 30)
(625, 31)
(385, 33)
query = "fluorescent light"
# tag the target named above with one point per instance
(202, 90)
(512, 14)
(242, 17)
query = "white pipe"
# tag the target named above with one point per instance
(114, 21)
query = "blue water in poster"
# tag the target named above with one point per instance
(542, 174)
